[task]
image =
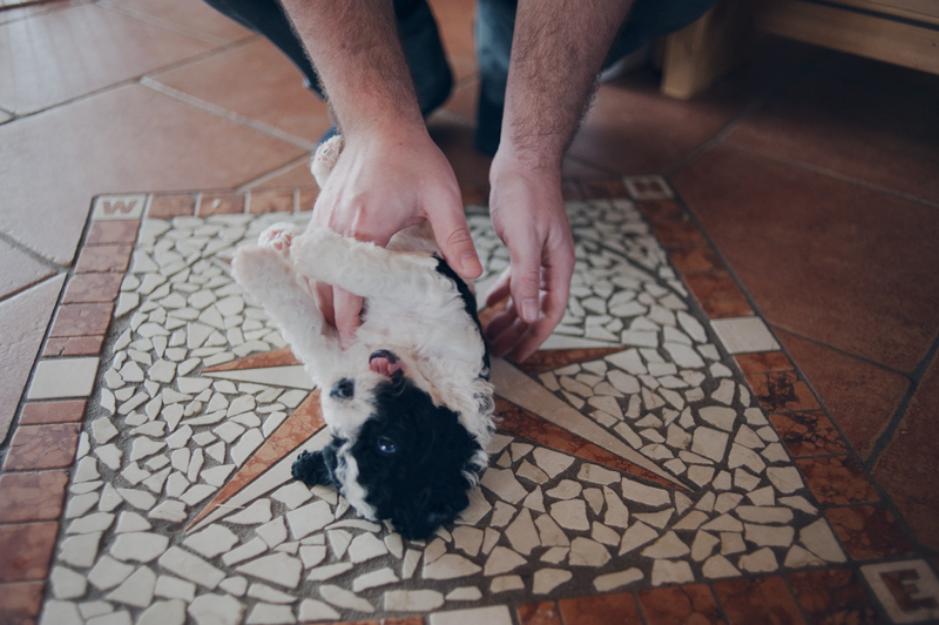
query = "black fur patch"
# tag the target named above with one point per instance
(469, 303)
(421, 485)
(318, 467)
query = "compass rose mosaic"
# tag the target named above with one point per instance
(631, 452)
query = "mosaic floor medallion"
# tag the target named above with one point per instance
(633, 458)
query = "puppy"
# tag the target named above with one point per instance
(409, 405)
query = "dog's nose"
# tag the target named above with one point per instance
(343, 389)
(384, 362)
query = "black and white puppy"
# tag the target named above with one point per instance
(409, 405)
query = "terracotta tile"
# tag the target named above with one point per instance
(282, 357)
(833, 597)
(837, 480)
(763, 600)
(862, 282)
(718, 294)
(193, 18)
(544, 613)
(296, 175)
(678, 234)
(764, 362)
(257, 81)
(906, 469)
(868, 532)
(695, 260)
(130, 137)
(26, 549)
(66, 411)
(112, 231)
(92, 287)
(43, 67)
(20, 602)
(73, 346)
(782, 390)
(808, 433)
(455, 22)
(907, 590)
(617, 608)
(23, 321)
(169, 205)
(861, 397)
(856, 117)
(31, 495)
(680, 605)
(20, 270)
(221, 204)
(633, 128)
(109, 257)
(48, 446)
(272, 201)
(81, 319)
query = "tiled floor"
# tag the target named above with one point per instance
(805, 229)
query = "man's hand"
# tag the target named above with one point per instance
(383, 183)
(528, 215)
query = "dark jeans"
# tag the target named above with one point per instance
(495, 22)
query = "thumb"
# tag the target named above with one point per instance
(453, 238)
(525, 254)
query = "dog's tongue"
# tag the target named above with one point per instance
(384, 365)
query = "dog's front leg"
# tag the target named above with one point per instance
(265, 272)
(368, 270)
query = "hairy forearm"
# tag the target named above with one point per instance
(557, 52)
(354, 46)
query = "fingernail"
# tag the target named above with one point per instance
(530, 310)
(469, 263)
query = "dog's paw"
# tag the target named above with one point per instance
(278, 237)
(259, 268)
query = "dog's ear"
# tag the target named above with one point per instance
(316, 468)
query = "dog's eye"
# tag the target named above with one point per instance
(386, 446)
(344, 389)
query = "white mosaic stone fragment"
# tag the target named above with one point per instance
(760, 561)
(551, 462)
(55, 612)
(314, 610)
(138, 546)
(570, 514)
(169, 510)
(717, 567)
(506, 583)
(364, 547)
(342, 598)
(588, 552)
(797, 557)
(136, 590)
(108, 573)
(274, 532)
(640, 493)
(709, 442)
(668, 546)
(671, 572)
(618, 579)
(211, 541)
(502, 483)
(785, 479)
(637, 535)
(502, 560)
(818, 538)
(258, 512)
(448, 566)
(216, 609)
(174, 588)
(190, 567)
(412, 600)
(66, 583)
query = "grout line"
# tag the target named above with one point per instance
(280, 169)
(831, 173)
(132, 80)
(219, 111)
(22, 247)
(839, 350)
(887, 434)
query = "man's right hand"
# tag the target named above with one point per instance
(383, 182)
